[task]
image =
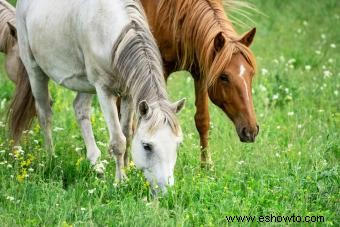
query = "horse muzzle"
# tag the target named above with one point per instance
(248, 134)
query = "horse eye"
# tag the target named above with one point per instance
(224, 78)
(147, 147)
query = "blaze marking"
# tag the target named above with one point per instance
(241, 75)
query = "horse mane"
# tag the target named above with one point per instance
(7, 14)
(195, 24)
(136, 58)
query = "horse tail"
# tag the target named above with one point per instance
(22, 109)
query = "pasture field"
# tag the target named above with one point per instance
(292, 169)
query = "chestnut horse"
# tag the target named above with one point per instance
(197, 36)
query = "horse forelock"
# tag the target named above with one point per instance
(7, 14)
(162, 114)
(223, 58)
(195, 24)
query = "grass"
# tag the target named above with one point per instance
(291, 169)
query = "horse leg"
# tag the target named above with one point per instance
(82, 109)
(117, 145)
(39, 85)
(202, 120)
(126, 122)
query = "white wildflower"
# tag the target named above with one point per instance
(290, 113)
(241, 162)
(276, 96)
(58, 129)
(327, 73)
(10, 198)
(282, 58)
(318, 52)
(17, 148)
(264, 71)
(82, 209)
(323, 36)
(308, 67)
(91, 191)
(333, 45)
(262, 88)
(336, 92)
(78, 149)
(291, 61)
(9, 166)
(299, 126)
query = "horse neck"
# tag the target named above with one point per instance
(137, 59)
(193, 31)
(152, 92)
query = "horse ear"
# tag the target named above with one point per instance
(12, 29)
(248, 38)
(219, 42)
(143, 108)
(179, 105)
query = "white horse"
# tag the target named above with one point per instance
(103, 47)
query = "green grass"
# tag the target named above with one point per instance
(291, 169)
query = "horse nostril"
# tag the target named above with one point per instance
(258, 129)
(243, 132)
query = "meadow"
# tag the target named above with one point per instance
(292, 168)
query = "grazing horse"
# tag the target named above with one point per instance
(197, 36)
(102, 47)
(8, 39)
